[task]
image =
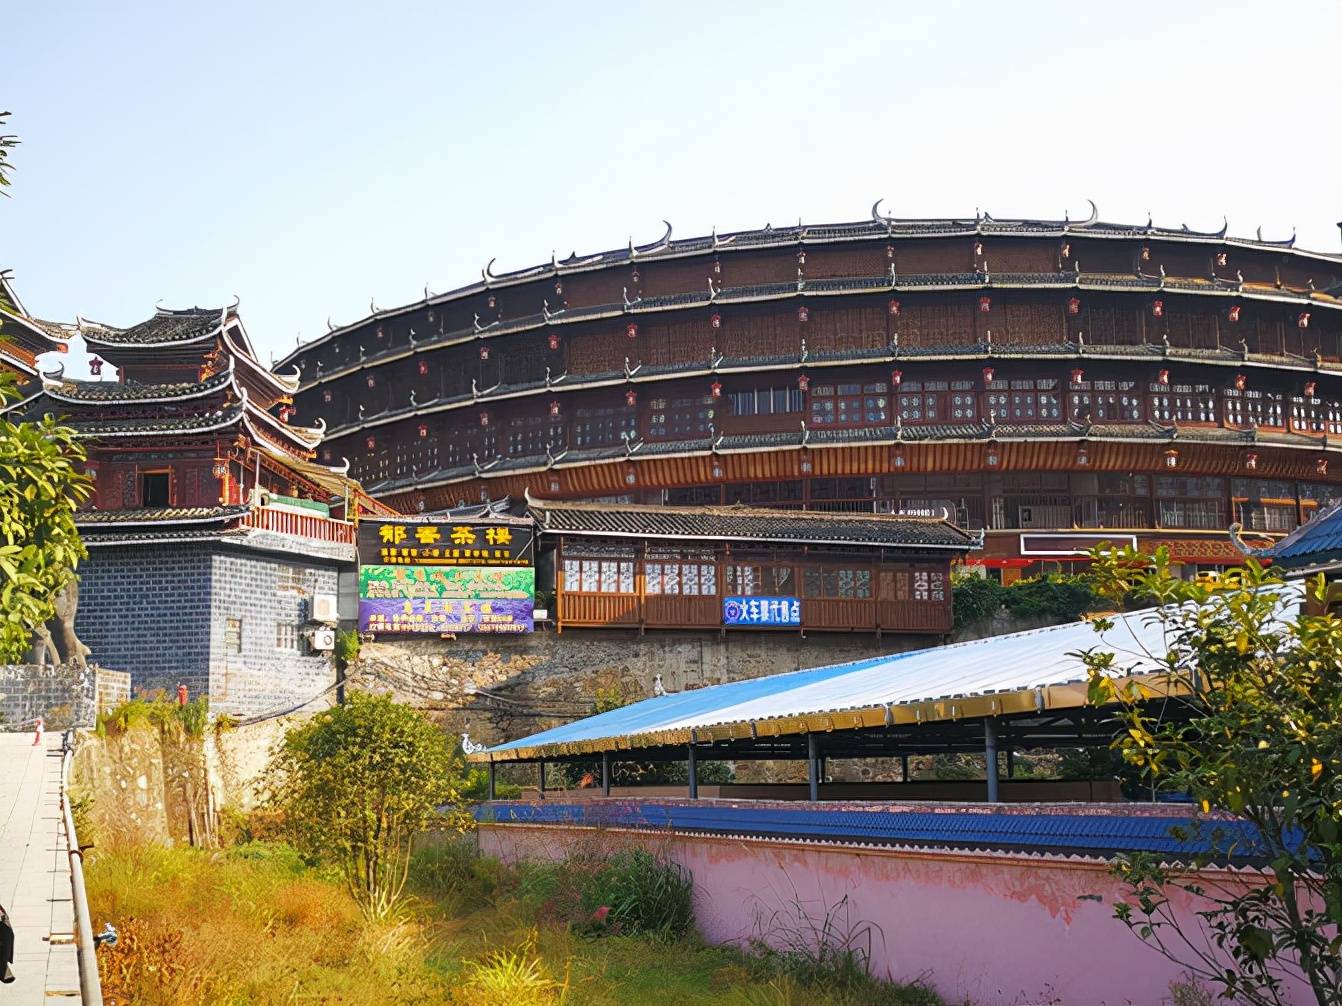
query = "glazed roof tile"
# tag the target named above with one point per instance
(158, 515)
(165, 326)
(102, 392)
(742, 523)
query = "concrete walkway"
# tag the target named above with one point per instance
(35, 873)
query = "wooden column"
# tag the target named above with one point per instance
(813, 765)
(605, 773)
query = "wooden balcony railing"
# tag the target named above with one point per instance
(301, 525)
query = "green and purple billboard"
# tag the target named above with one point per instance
(446, 599)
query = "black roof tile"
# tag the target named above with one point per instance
(742, 523)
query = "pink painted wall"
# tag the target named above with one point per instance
(996, 929)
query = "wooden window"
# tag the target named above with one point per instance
(681, 418)
(838, 583)
(603, 427)
(286, 637)
(850, 404)
(599, 576)
(694, 579)
(759, 581)
(918, 408)
(766, 401)
(233, 635)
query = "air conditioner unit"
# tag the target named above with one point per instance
(322, 639)
(324, 608)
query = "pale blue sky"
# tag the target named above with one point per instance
(309, 157)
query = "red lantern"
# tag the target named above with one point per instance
(370, 443)
(1171, 458)
(286, 412)
(554, 408)
(326, 396)
(484, 352)
(423, 431)
(1163, 377)
(559, 288)
(631, 330)
(484, 418)
(1220, 258)
(978, 248)
(631, 398)
(988, 375)
(985, 305)
(896, 377)
(897, 459)
(1241, 382)
(716, 389)
(1251, 461)
(1078, 375)
(893, 308)
(1082, 456)
(423, 368)
(1310, 386)
(379, 331)
(1158, 308)
(1233, 313)
(1146, 253)
(492, 302)
(634, 275)
(1303, 320)
(715, 320)
(1321, 466)
(95, 366)
(554, 340)
(1074, 305)
(993, 457)
(803, 313)
(1066, 249)
(372, 381)
(801, 256)
(803, 382)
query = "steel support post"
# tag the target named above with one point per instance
(693, 766)
(813, 765)
(605, 773)
(489, 770)
(540, 786)
(990, 756)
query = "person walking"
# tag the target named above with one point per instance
(6, 947)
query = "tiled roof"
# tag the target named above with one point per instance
(164, 327)
(158, 515)
(742, 523)
(98, 392)
(1311, 544)
(174, 424)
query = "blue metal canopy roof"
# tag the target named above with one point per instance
(1311, 544)
(1021, 672)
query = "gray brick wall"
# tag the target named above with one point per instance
(161, 612)
(257, 592)
(63, 696)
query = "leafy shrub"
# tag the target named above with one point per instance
(155, 710)
(642, 894)
(453, 871)
(475, 787)
(1057, 597)
(975, 599)
(516, 977)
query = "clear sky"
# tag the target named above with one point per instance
(309, 157)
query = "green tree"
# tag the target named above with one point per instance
(1243, 714)
(40, 487)
(357, 784)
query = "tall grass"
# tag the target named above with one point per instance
(256, 924)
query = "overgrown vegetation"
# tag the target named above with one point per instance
(1244, 715)
(1052, 598)
(157, 711)
(259, 925)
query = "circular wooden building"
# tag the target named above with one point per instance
(1053, 382)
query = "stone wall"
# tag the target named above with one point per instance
(558, 674)
(62, 696)
(162, 612)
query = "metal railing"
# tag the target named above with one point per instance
(90, 982)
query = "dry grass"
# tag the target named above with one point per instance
(254, 926)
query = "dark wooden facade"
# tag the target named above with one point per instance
(644, 567)
(1018, 374)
